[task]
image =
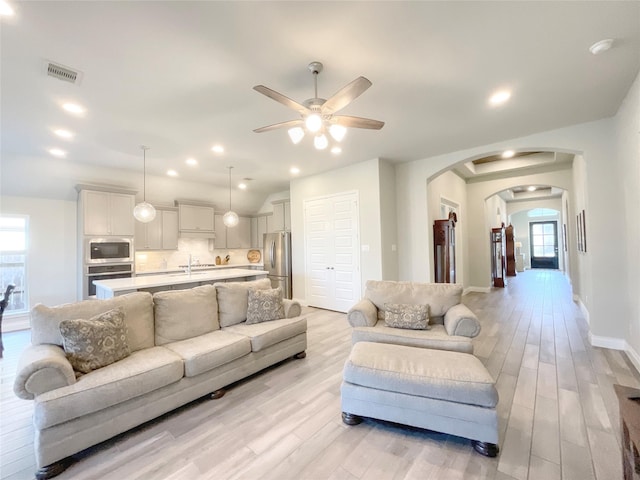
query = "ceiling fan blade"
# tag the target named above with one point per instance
(278, 97)
(357, 122)
(346, 95)
(290, 123)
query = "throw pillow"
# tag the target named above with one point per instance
(265, 305)
(97, 342)
(402, 315)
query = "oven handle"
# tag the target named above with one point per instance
(108, 273)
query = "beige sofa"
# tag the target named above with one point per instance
(184, 345)
(452, 324)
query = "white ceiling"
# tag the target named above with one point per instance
(178, 76)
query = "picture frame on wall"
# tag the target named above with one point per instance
(579, 231)
(564, 236)
(584, 232)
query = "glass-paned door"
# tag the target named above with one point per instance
(543, 238)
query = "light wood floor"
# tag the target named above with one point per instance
(558, 411)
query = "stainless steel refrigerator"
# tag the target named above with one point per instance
(277, 260)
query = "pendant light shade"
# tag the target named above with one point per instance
(230, 219)
(144, 212)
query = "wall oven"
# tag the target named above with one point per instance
(104, 272)
(108, 250)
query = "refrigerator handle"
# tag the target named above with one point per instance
(272, 254)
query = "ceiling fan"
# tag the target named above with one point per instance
(317, 115)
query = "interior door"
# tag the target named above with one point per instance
(332, 258)
(543, 238)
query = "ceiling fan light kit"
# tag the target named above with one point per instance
(318, 115)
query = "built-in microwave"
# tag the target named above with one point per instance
(109, 250)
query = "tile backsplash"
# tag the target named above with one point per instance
(197, 247)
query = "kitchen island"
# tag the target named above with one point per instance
(172, 281)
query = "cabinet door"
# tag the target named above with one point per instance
(221, 233)
(195, 217)
(244, 232)
(287, 216)
(254, 232)
(96, 212)
(277, 224)
(270, 224)
(122, 222)
(169, 230)
(262, 229)
(233, 235)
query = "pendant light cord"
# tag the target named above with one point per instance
(144, 172)
(230, 188)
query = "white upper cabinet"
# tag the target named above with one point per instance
(234, 237)
(258, 229)
(159, 234)
(107, 213)
(196, 219)
(281, 221)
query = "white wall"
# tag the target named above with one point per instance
(52, 258)
(627, 139)
(452, 188)
(388, 224)
(362, 177)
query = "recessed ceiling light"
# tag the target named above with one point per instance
(500, 97)
(172, 173)
(336, 150)
(601, 46)
(508, 154)
(218, 148)
(57, 152)
(191, 161)
(62, 133)
(294, 170)
(532, 188)
(5, 9)
(242, 186)
(73, 108)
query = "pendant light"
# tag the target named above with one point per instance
(144, 212)
(230, 219)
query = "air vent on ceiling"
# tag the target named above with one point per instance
(63, 73)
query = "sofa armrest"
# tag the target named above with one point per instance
(291, 308)
(42, 368)
(459, 320)
(363, 314)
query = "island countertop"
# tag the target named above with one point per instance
(121, 286)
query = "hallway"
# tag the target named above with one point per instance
(558, 409)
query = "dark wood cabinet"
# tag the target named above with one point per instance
(444, 249)
(628, 400)
(497, 257)
(510, 254)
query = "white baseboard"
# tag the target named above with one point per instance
(476, 289)
(13, 323)
(583, 309)
(607, 342)
(633, 356)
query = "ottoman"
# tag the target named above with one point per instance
(449, 392)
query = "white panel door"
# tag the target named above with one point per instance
(332, 252)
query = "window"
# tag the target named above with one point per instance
(542, 212)
(13, 260)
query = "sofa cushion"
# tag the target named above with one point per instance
(210, 350)
(436, 337)
(263, 335)
(410, 316)
(138, 315)
(450, 376)
(139, 373)
(95, 342)
(182, 314)
(233, 298)
(440, 296)
(264, 305)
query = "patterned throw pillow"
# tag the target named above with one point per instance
(97, 342)
(265, 305)
(401, 315)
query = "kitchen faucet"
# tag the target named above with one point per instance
(189, 265)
